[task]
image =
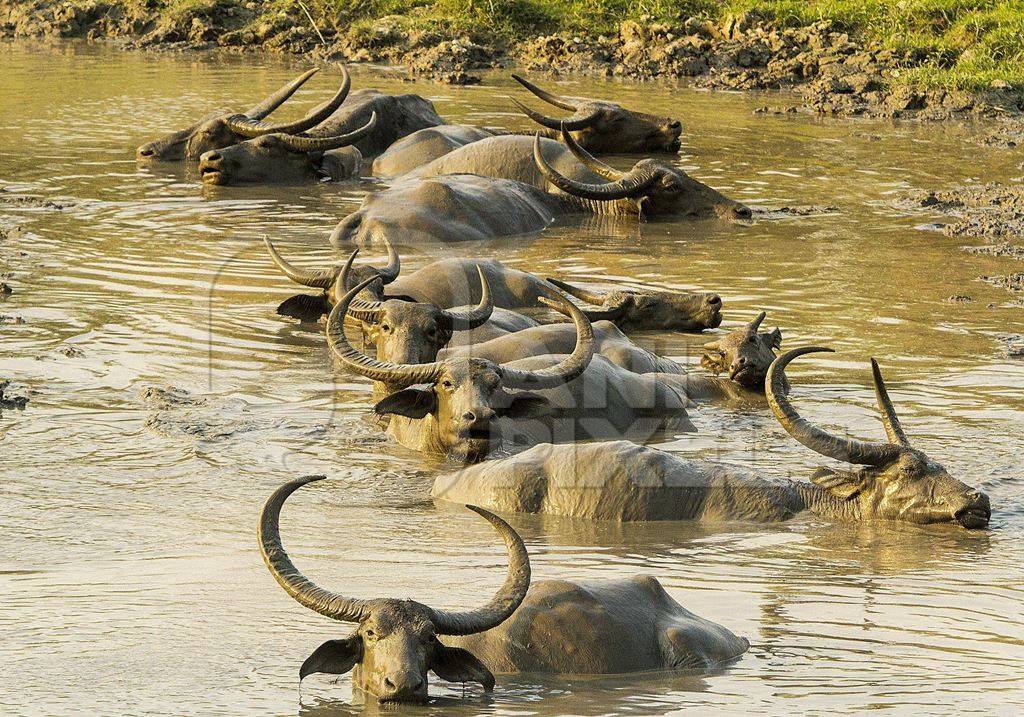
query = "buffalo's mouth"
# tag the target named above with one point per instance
(751, 376)
(212, 175)
(973, 517)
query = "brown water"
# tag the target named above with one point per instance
(131, 578)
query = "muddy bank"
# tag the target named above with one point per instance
(833, 72)
(993, 212)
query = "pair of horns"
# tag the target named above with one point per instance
(325, 278)
(411, 374)
(573, 124)
(752, 329)
(346, 609)
(251, 124)
(621, 185)
(841, 449)
(610, 313)
(456, 319)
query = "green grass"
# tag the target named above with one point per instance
(957, 44)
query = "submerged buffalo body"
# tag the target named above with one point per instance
(599, 126)
(602, 627)
(626, 482)
(360, 128)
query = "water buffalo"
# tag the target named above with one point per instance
(639, 309)
(599, 126)
(745, 354)
(282, 157)
(467, 411)
(223, 129)
(453, 282)
(479, 205)
(605, 127)
(396, 642)
(551, 626)
(623, 481)
(652, 187)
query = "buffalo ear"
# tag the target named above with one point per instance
(776, 338)
(305, 307)
(410, 402)
(334, 657)
(713, 361)
(842, 484)
(457, 665)
(527, 405)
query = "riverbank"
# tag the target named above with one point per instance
(928, 60)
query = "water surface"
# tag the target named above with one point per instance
(132, 583)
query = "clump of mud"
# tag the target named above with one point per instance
(12, 395)
(992, 211)
(178, 413)
(1010, 282)
(1013, 345)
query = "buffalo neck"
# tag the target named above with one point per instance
(821, 502)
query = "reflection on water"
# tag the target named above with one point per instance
(131, 579)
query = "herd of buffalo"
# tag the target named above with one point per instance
(474, 360)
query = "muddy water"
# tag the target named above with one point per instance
(131, 484)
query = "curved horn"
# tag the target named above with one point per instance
(249, 127)
(591, 297)
(360, 363)
(394, 267)
(756, 324)
(322, 144)
(572, 124)
(368, 311)
(508, 597)
(558, 101)
(272, 102)
(467, 319)
(304, 590)
(890, 420)
(628, 186)
(321, 279)
(609, 314)
(589, 161)
(566, 370)
(841, 449)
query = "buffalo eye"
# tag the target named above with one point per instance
(369, 633)
(386, 328)
(447, 385)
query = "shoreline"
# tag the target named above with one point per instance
(829, 71)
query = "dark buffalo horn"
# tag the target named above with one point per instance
(275, 100)
(509, 596)
(304, 590)
(823, 442)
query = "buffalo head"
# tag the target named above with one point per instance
(648, 308)
(225, 129)
(461, 397)
(651, 187)
(277, 157)
(395, 642)
(896, 482)
(310, 308)
(410, 332)
(745, 354)
(604, 127)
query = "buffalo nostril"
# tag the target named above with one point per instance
(145, 152)
(212, 156)
(388, 683)
(469, 416)
(714, 300)
(675, 124)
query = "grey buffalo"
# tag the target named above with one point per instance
(551, 626)
(223, 129)
(651, 188)
(600, 126)
(626, 482)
